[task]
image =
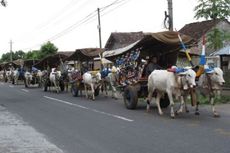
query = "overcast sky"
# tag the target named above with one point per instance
(30, 23)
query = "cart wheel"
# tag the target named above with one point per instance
(74, 90)
(130, 97)
(96, 92)
(164, 102)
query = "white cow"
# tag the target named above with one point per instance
(54, 79)
(92, 80)
(28, 78)
(2, 75)
(171, 83)
(209, 85)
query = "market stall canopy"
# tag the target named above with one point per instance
(223, 51)
(52, 60)
(85, 54)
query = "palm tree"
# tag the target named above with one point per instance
(215, 39)
(212, 9)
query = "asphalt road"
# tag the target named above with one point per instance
(79, 125)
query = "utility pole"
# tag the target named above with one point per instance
(11, 56)
(170, 11)
(99, 26)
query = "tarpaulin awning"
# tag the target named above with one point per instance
(85, 54)
(52, 60)
(165, 45)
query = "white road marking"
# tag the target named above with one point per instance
(93, 110)
(11, 86)
(25, 90)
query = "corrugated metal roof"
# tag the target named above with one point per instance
(223, 51)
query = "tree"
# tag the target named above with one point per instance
(6, 57)
(48, 49)
(19, 55)
(212, 9)
(35, 54)
(215, 39)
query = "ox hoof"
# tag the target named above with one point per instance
(216, 115)
(177, 113)
(147, 110)
(187, 111)
(161, 113)
(172, 116)
(197, 113)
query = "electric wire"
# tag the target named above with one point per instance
(89, 18)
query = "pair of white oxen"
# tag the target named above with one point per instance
(12, 75)
(90, 79)
(179, 84)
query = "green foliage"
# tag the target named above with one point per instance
(47, 49)
(19, 55)
(223, 99)
(35, 54)
(6, 57)
(216, 38)
(212, 9)
(15, 55)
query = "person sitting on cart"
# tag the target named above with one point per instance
(151, 66)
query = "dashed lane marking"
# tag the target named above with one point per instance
(90, 109)
(25, 90)
(223, 132)
(11, 86)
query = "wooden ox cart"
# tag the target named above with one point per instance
(131, 61)
(83, 60)
(51, 61)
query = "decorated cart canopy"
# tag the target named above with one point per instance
(164, 45)
(84, 54)
(52, 60)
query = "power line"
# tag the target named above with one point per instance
(89, 18)
(58, 14)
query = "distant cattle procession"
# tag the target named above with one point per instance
(145, 69)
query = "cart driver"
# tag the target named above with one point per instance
(152, 65)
